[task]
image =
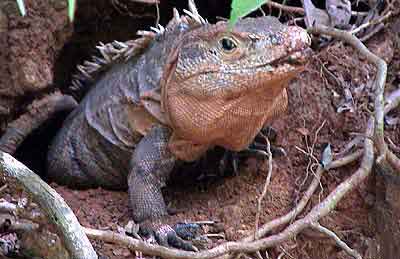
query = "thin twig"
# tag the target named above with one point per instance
(300, 11)
(338, 241)
(372, 22)
(158, 13)
(266, 184)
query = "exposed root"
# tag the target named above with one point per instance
(312, 160)
(338, 241)
(57, 211)
(266, 184)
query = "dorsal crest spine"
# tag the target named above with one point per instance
(116, 51)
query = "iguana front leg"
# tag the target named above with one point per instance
(151, 165)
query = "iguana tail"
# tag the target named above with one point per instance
(38, 112)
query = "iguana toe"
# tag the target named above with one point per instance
(258, 148)
(175, 241)
(165, 235)
(188, 231)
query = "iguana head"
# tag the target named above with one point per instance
(223, 60)
(222, 85)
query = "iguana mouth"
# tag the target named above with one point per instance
(297, 58)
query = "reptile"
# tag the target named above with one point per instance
(169, 96)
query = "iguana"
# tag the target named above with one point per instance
(171, 95)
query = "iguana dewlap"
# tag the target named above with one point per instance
(171, 95)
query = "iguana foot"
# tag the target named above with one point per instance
(258, 148)
(187, 231)
(166, 235)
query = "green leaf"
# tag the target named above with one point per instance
(71, 9)
(241, 8)
(21, 7)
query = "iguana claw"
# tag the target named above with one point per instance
(167, 236)
(187, 231)
(258, 148)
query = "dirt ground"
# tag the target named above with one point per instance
(318, 114)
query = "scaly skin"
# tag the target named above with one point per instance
(182, 91)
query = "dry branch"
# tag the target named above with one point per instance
(57, 211)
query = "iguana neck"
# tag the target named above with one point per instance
(155, 65)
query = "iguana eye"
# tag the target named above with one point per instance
(228, 44)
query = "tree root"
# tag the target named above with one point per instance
(338, 241)
(57, 211)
